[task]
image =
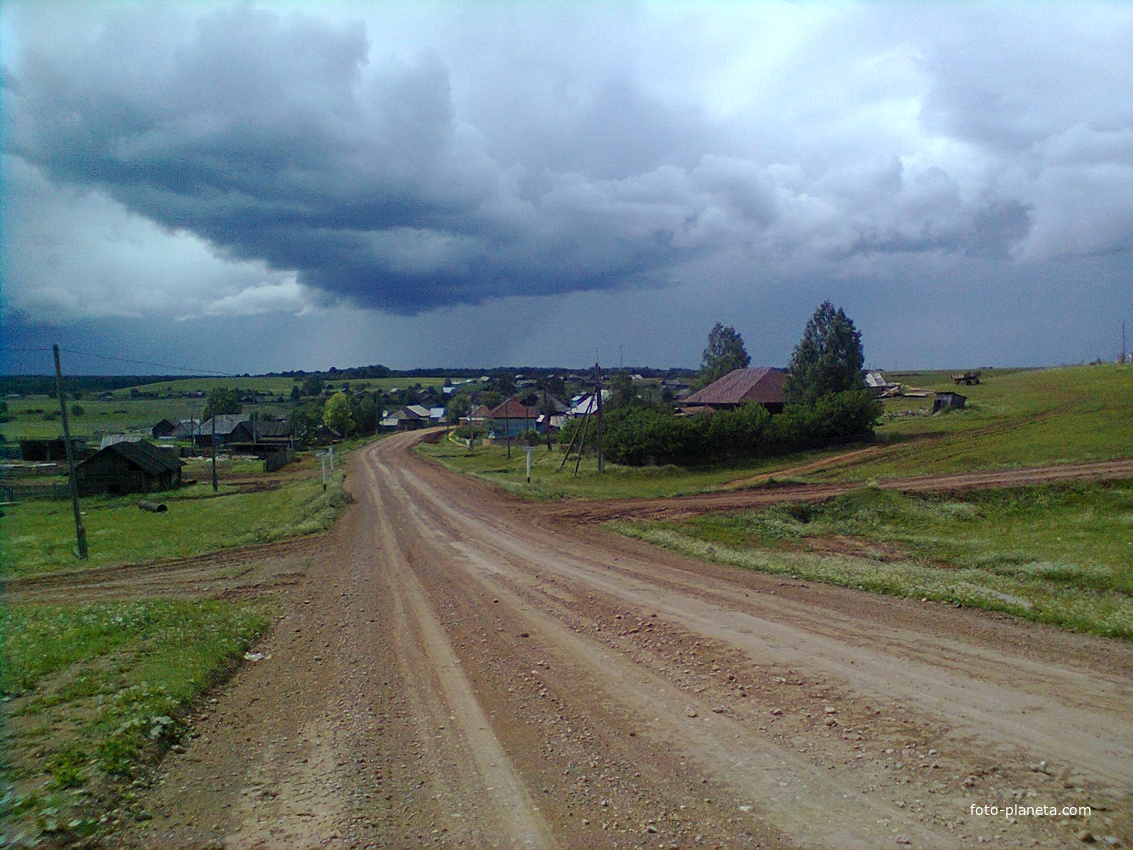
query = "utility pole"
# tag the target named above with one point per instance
(214, 484)
(546, 416)
(80, 532)
(598, 402)
(1123, 348)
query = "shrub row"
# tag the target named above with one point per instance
(636, 435)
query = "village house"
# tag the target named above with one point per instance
(762, 385)
(128, 467)
(512, 417)
(259, 437)
(163, 428)
(224, 423)
(408, 418)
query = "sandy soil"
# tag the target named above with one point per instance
(455, 668)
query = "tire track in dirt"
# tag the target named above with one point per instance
(1073, 716)
(459, 668)
(505, 811)
(793, 794)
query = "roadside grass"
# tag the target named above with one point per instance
(1055, 554)
(40, 535)
(491, 463)
(93, 694)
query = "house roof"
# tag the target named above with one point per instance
(111, 439)
(874, 378)
(763, 385)
(481, 412)
(264, 428)
(409, 412)
(144, 455)
(513, 409)
(225, 422)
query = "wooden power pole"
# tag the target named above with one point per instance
(598, 403)
(80, 532)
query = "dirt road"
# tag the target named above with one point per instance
(455, 669)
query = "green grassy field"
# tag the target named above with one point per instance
(1014, 419)
(1055, 554)
(93, 693)
(280, 386)
(40, 535)
(38, 417)
(548, 481)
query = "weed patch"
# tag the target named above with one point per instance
(95, 694)
(1056, 554)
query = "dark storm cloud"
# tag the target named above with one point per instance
(192, 160)
(273, 138)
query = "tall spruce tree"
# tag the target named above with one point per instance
(828, 359)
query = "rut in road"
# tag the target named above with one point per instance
(460, 669)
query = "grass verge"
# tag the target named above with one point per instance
(94, 694)
(548, 481)
(40, 535)
(1054, 554)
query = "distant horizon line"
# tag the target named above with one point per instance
(466, 371)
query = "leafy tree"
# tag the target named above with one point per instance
(458, 407)
(621, 390)
(296, 393)
(222, 401)
(337, 414)
(78, 410)
(305, 425)
(827, 360)
(364, 411)
(725, 353)
(313, 385)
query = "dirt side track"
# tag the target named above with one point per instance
(456, 669)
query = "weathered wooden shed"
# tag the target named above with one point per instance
(948, 401)
(135, 467)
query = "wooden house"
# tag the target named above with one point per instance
(128, 467)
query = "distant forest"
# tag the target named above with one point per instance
(45, 384)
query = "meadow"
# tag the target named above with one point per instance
(94, 692)
(1054, 554)
(135, 410)
(40, 535)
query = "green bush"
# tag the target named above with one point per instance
(636, 435)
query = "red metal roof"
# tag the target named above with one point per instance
(763, 385)
(513, 409)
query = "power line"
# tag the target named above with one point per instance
(190, 369)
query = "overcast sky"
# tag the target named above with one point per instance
(252, 187)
